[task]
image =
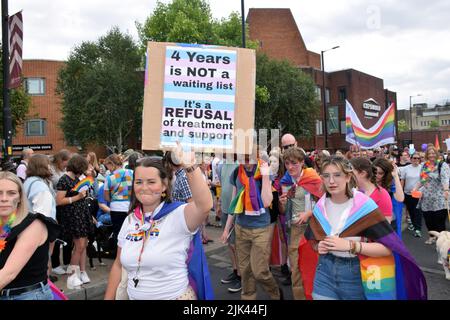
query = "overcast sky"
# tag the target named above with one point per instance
(406, 43)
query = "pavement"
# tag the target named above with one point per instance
(219, 266)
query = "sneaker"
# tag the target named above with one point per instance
(84, 277)
(417, 234)
(410, 227)
(232, 277)
(235, 287)
(59, 270)
(73, 282)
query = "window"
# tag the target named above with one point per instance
(342, 93)
(319, 94)
(35, 86)
(35, 127)
(343, 127)
(319, 127)
(327, 95)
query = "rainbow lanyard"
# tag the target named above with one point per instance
(145, 228)
(6, 230)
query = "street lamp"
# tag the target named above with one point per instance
(323, 98)
(410, 116)
(243, 23)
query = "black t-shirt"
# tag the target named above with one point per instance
(35, 270)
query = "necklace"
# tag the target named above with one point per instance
(6, 229)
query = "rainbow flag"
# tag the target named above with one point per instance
(383, 132)
(83, 184)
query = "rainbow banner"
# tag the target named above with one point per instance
(382, 133)
(83, 184)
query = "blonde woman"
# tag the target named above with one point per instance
(24, 245)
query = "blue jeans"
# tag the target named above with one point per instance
(338, 279)
(42, 293)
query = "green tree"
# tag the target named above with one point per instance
(20, 103)
(434, 124)
(402, 126)
(292, 105)
(102, 89)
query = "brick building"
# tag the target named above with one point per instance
(278, 36)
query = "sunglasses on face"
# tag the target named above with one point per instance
(288, 146)
(415, 158)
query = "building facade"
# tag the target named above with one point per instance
(278, 36)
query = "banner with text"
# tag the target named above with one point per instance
(199, 97)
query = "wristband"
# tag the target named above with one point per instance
(70, 200)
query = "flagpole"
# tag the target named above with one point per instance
(7, 121)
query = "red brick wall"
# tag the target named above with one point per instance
(46, 107)
(279, 37)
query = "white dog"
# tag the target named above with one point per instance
(443, 250)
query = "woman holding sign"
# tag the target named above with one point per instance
(77, 222)
(159, 243)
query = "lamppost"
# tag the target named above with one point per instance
(243, 23)
(410, 116)
(325, 133)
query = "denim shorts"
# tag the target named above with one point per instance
(338, 278)
(42, 293)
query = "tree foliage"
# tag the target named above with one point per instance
(292, 105)
(20, 103)
(102, 89)
(434, 124)
(402, 126)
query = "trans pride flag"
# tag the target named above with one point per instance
(383, 132)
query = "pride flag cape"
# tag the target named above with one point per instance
(248, 198)
(310, 181)
(83, 184)
(379, 275)
(198, 271)
(381, 133)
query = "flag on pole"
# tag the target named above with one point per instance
(15, 49)
(381, 133)
(436, 143)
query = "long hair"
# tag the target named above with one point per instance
(364, 165)
(22, 206)
(163, 174)
(93, 161)
(346, 167)
(387, 167)
(59, 157)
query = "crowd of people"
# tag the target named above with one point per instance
(327, 215)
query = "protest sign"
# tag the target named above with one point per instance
(202, 96)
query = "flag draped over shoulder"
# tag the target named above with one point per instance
(15, 46)
(198, 272)
(383, 278)
(383, 132)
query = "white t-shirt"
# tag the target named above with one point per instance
(411, 175)
(163, 274)
(21, 170)
(334, 213)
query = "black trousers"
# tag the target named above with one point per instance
(414, 213)
(117, 219)
(67, 249)
(435, 220)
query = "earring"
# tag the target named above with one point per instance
(163, 194)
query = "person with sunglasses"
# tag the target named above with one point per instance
(409, 177)
(288, 141)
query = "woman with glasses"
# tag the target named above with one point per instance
(409, 177)
(356, 243)
(159, 244)
(434, 185)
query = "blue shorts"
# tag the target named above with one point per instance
(338, 278)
